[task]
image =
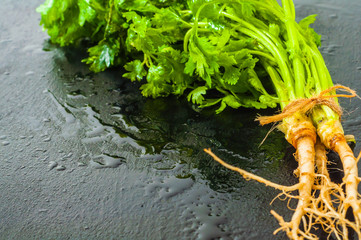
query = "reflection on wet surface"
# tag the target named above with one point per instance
(111, 117)
(165, 137)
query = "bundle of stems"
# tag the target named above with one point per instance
(310, 121)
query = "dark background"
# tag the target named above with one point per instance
(85, 156)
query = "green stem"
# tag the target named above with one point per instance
(278, 84)
(294, 44)
(277, 52)
(263, 54)
(279, 56)
(109, 19)
(188, 35)
(185, 11)
(289, 9)
(325, 78)
(315, 76)
(310, 82)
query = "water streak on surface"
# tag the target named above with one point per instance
(63, 108)
(126, 123)
(169, 187)
(97, 131)
(106, 161)
(52, 164)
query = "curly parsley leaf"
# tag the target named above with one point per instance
(196, 95)
(135, 70)
(310, 32)
(103, 55)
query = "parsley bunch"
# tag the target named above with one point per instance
(231, 53)
(216, 52)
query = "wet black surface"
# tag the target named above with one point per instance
(85, 156)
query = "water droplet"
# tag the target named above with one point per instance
(77, 94)
(330, 49)
(46, 120)
(105, 161)
(52, 164)
(6, 40)
(43, 210)
(64, 109)
(60, 168)
(2, 137)
(334, 16)
(117, 108)
(22, 137)
(29, 73)
(47, 139)
(6, 73)
(5, 143)
(80, 164)
(40, 150)
(125, 122)
(170, 187)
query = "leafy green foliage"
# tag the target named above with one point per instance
(196, 96)
(135, 70)
(309, 32)
(217, 52)
(68, 21)
(103, 55)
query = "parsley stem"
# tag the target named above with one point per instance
(281, 58)
(109, 19)
(275, 48)
(277, 83)
(186, 39)
(263, 54)
(188, 35)
(315, 76)
(185, 11)
(294, 44)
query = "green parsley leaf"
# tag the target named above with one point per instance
(196, 96)
(103, 55)
(135, 70)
